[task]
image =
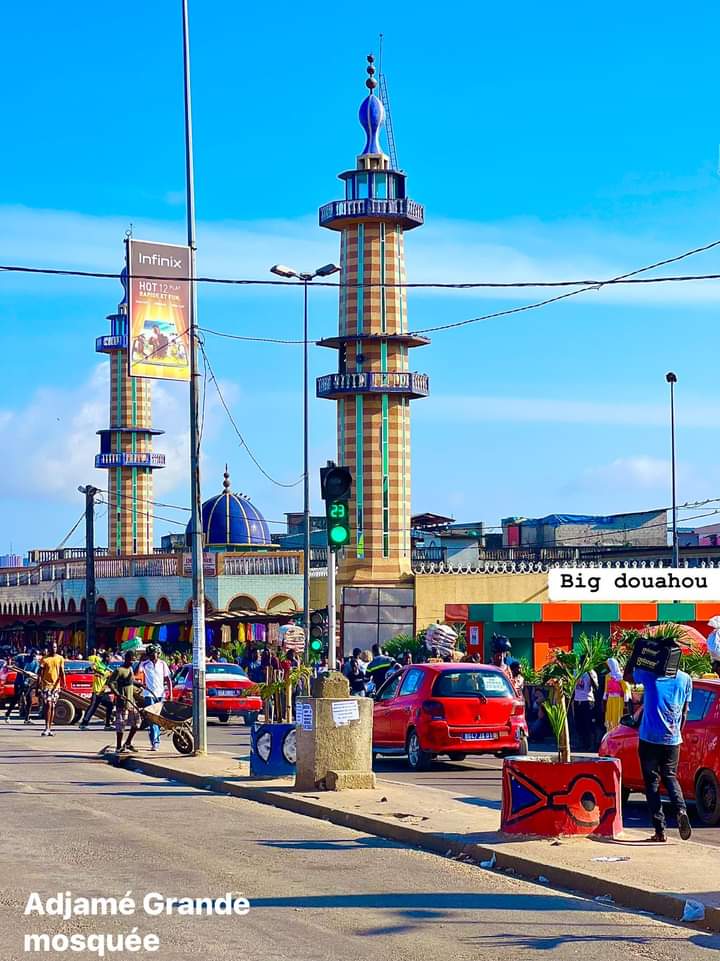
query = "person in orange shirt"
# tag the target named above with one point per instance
(50, 679)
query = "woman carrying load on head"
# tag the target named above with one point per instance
(617, 692)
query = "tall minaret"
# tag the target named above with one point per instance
(126, 445)
(374, 385)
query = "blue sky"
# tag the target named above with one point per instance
(545, 143)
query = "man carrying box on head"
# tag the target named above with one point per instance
(665, 705)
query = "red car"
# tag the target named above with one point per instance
(227, 686)
(78, 679)
(450, 709)
(699, 766)
(7, 682)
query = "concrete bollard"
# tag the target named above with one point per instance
(334, 738)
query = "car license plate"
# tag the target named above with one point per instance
(224, 694)
(480, 736)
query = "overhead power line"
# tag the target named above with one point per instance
(235, 427)
(627, 278)
(70, 533)
(622, 278)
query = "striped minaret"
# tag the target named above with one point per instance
(374, 384)
(126, 446)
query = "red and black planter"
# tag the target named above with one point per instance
(544, 797)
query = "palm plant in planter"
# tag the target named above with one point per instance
(562, 674)
(551, 795)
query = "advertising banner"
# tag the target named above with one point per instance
(208, 565)
(159, 310)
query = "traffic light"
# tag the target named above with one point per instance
(336, 485)
(318, 630)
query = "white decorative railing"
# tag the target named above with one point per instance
(154, 565)
(539, 567)
(249, 564)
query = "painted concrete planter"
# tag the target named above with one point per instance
(273, 750)
(544, 797)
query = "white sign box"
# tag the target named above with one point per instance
(343, 712)
(634, 584)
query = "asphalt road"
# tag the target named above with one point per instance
(317, 892)
(481, 778)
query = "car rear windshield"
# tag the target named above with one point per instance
(78, 667)
(225, 669)
(471, 684)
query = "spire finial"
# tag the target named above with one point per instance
(371, 82)
(372, 113)
(226, 481)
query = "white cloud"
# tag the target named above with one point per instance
(443, 251)
(478, 408)
(639, 472)
(49, 445)
(640, 482)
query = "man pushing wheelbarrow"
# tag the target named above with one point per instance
(167, 715)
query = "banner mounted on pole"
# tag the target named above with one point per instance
(159, 310)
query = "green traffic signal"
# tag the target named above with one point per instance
(336, 486)
(339, 535)
(316, 644)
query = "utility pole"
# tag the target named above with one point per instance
(671, 378)
(332, 611)
(89, 491)
(198, 586)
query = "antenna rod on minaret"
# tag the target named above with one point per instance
(385, 98)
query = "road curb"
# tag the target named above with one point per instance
(667, 904)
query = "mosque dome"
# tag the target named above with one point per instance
(230, 521)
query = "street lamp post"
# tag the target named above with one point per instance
(671, 378)
(305, 278)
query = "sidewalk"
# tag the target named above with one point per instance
(656, 878)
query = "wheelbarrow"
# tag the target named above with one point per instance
(172, 718)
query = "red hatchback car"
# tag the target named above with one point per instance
(227, 686)
(699, 765)
(450, 709)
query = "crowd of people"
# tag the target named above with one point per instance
(41, 675)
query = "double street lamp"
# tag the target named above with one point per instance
(288, 273)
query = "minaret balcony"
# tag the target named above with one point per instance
(403, 211)
(110, 343)
(130, 459)
(334, 386)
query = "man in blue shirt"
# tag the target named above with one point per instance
(665, 705)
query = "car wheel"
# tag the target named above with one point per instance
(250, 718)
(707, 798)
(457, 756)
(223, 717)
(624, 795)
(523, 748)
(418, 760)
(64, 712)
